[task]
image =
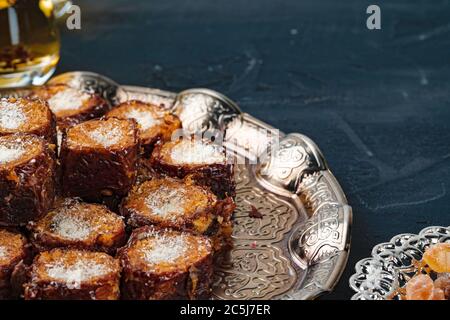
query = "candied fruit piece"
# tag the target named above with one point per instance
(438, 294)
(437, 257)
(420, 287)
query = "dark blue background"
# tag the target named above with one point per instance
(376, 102)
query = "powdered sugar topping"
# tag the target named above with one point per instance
(11, 115)
(2, 252)
(70, 227)
(145, 119)
(76, 273)
(67, 99)
(9, 153)
(166, 202)
(197, 152)
(166, 249)
(106, 135)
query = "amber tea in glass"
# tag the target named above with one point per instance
(29, 42)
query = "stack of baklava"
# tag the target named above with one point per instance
(115, 208)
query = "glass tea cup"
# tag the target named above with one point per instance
(29, 42)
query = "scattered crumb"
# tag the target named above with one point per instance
(254, 213)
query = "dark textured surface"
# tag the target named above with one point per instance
(376, 102)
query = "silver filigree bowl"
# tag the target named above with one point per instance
(392, 264)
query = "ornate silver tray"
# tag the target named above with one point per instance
(299, 248)
(391, 264)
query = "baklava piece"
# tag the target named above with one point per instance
(99, 159)
(205, 162)
(154, 123)
(71, 106)
(165, 264)
(18, 115)
(65, 274)
(181, 205)
(79, 225)
(27, 178)
(13, 250)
